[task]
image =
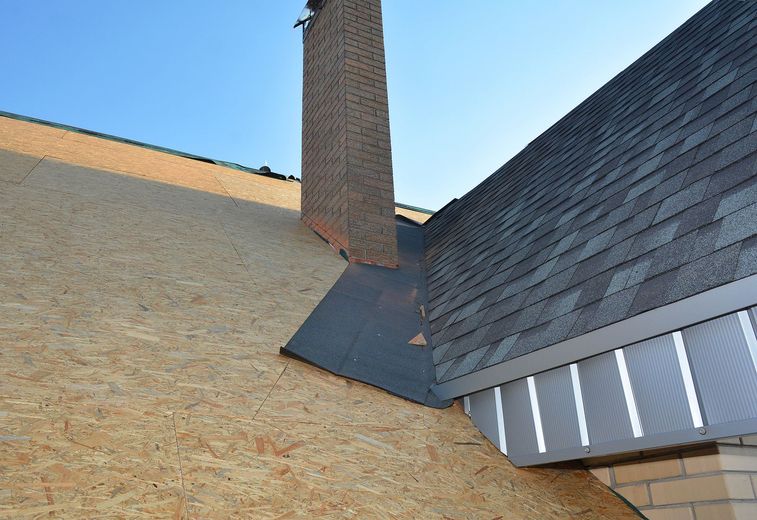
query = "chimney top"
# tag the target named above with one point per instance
(347, 181)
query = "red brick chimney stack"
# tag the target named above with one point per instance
(347, 184)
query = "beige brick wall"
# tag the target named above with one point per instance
(716, 481)
(347, 183)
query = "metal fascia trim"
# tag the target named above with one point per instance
(688, 380)
(625, 380)
(751, 340)
(681, 437)
(536, 414)
(704, 306)
(579, 399)
(500, 420)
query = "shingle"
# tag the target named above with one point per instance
(542, 272)
(648, 167)
(651, 178)
(682, 200)
(617, 253)
(696, 217)
(464, 344)
(528, 316)
(632, 226)
(442, 368)
(644, 186)
(503, 348)
(735, 124)
(613, 308)
(665, 189)
(594, 288)
(585, 316)
(502, 328)
(747, 264)
(469, 362)
(438, 352)
(489, 352)
(653, 238)
(470, 309)
(696, 138)
(504, 307)
(619, 280)
(667, 142)
(740, 197)
(638, 272)
(705, 273)
(589, 268)
(559, 304)
(737, 150)
(563, 245)
(673, 254)
(738, 226)
(707, 237)
(596, 244)
(653, 292)
(721, 83)
(552, 285)
(733, 175)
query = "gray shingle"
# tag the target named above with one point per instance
(739, 197)
(738, 226)
(468, 363)
(696, 138)
(559, 304)
(682, 200)
(563, 245)
(747, 259)
(638, 273)
(442, 368)
(439, 352)
(596, 244)
(654, 292)
(619, 280)
(550, 238)
(644, 186)
(613, 308)
(705, 273)
(653, 238)
(502, 350)
(672, 255)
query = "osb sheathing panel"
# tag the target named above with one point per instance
(142, 306)
(412, 215)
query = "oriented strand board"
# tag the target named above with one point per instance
(143, 300)
(412, 215)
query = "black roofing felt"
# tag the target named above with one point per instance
(362, 327)
(643, 195)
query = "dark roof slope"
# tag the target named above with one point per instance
(643, 195)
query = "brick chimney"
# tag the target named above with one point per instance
(347, 185)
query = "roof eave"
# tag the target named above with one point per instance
(701, 307)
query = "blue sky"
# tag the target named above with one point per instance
(470, 83)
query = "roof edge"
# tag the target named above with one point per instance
(147, 146)
(415, 208)
(701, 307)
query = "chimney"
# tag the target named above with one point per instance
(347, 185)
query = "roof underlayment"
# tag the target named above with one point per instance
(143, 301)
(364, 326)
(641, 197)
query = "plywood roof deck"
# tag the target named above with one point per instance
(143, 300)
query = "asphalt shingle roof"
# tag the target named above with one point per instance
(643, 195)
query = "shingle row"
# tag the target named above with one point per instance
(644, 194)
